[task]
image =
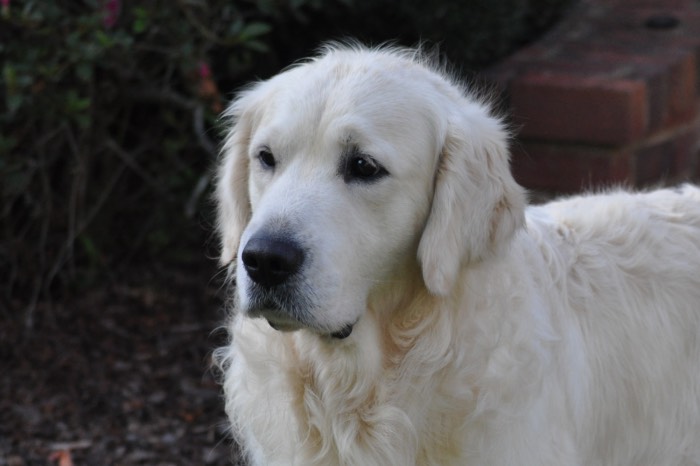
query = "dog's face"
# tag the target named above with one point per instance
(328, 187)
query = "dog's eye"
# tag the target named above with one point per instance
(363, 168)
(267, 160)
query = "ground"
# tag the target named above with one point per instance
(118, 375)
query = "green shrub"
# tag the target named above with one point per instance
(107, 118)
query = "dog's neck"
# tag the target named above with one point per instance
(394, 321)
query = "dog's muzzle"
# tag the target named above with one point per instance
(271, 262)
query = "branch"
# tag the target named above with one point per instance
(164, 96)
(131, 162)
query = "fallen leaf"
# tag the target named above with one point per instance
(62, 456)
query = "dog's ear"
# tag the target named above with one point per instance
(232, 198)
(477, 205)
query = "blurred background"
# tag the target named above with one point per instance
(110, 295)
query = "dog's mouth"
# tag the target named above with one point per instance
(286, 317)
(341, 334)
(283, 326)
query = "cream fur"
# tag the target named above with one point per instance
(486, 333)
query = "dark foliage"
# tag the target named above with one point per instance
(107, 137)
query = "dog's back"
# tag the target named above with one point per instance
(628, 265)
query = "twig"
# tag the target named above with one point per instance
(210, 148)
(200, 187)
(60, 259)
(204, 31)
(67, 446)
(200, 131)
(131, 162)
(30, 310)
(48, 136)
(164, 96)
(77, 193)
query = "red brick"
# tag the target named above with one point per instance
(675, 4)
(568, 168)
(670, 155)
(692, 45)
(604, 99)
(683, 78)
(577, 65)
(623, 18)
(685, 152)
(561, 107)
(501, 76)
(654, 162)
(671, 81)
(670, 76)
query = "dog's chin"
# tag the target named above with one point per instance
(286, 326)
(285, 320)
(277, 319)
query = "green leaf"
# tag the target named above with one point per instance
(267, 7)
(84, 71)
(257, 46)
(83, 120)
(105, 40)
(10, 74)
(140, 12)
(14, 102)
(24, 80)
(76, 105)
(141, 20)
(123, 39)
(90, 248)
(254, 30)
(7, 143)
(139, 26)
(296, 4)
(16, 182)
(236, 27)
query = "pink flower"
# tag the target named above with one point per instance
(110, 11)
(204, 70)
(5, 8)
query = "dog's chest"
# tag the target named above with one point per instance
(302, 405)
(349, 418)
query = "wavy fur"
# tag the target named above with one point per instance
(485, 332)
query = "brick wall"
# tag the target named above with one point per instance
(609, 96)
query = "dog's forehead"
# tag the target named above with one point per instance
(346, 101)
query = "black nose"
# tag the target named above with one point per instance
(271, 261)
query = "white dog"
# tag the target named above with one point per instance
(396, 303)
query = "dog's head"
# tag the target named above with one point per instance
(342, 171)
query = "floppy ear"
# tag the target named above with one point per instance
(232, 198)
(477, 205)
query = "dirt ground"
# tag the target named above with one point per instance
(118, 375)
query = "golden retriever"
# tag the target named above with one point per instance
(396, 302)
